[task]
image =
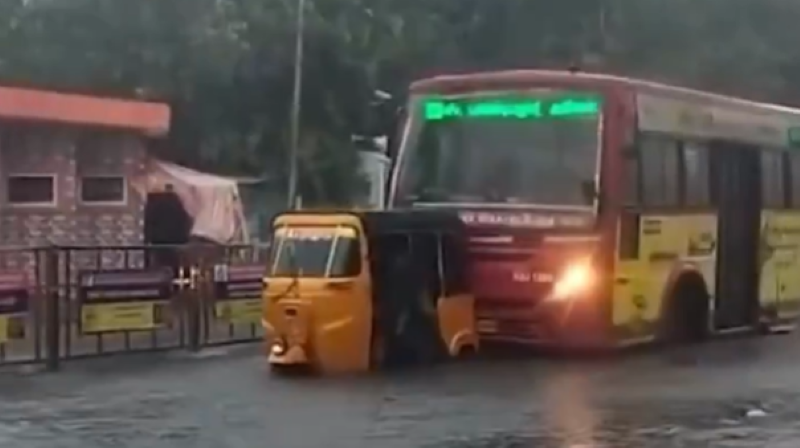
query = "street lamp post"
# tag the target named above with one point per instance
(297, 91)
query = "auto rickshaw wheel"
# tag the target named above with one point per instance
(467, 352)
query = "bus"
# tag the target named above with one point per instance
(605, 211)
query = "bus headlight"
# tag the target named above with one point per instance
(576, 279)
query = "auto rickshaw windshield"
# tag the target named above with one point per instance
(315, 252)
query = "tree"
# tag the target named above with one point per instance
(226, 65)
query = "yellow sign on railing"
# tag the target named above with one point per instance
(4, 330)
(130, 316)
(124, 300)
(237, 293)
(239, 311)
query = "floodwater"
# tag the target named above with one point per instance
(737, 393)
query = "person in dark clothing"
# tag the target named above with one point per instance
(166, 224)
(393, 314)
(410, 321)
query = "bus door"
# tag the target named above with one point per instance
(736, 187)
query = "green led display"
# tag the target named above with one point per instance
(511, 108)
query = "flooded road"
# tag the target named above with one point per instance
(723, 394)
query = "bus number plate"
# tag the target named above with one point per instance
(532, 277)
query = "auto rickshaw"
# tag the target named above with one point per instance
(358, 291)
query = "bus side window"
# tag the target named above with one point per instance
(794, 168)
(772, 179)
(632, 183)
(696, 174)
(628, 247)
(659, 171)
(786, 179)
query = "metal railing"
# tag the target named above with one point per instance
(66, 302)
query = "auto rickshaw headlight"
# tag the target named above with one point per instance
(576, 279)
(278, 348)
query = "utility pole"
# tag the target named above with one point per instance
(297, 91)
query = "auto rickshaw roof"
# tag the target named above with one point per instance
(412, 220)
(409, 220)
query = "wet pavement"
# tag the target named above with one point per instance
(740, 393)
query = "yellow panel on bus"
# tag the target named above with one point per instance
(667, 243)
(780, 262)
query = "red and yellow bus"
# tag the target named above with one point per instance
(608, 211)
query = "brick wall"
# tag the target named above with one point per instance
(36, 150)
(110, 154)
(68, 153)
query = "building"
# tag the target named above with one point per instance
(375, 167)
(65, 165)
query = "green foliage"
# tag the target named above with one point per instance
(226, 65)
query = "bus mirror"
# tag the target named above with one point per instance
(589, 191)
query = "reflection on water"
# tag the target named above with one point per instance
(230, 401)
(572, 417)
(700, 425)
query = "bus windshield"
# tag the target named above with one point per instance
(315, 252)
(538, 147)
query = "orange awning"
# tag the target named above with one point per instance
(37, 105)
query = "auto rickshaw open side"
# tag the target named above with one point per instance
(358, 291)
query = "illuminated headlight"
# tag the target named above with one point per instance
(278, 348)
(577, 279)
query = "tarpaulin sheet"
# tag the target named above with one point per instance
(212, 201)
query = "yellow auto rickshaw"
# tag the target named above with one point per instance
(358, 291)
